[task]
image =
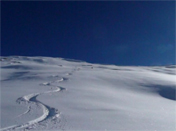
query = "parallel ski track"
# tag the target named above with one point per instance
(47, 111)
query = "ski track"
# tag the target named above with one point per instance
(28, 110)
(48, 112)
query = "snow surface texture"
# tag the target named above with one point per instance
(42, 93)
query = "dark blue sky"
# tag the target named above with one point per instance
(121, 33)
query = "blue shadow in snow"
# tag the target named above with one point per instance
(16, 67)
(168, 92)
(23, 75)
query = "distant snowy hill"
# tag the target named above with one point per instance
(43, 93)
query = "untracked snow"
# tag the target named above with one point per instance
(43, 93)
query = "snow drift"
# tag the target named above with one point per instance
(42, 93)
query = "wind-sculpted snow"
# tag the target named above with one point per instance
(43, 93)
(168, 92)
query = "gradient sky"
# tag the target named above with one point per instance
(121, 33)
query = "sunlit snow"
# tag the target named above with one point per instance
(43, 93)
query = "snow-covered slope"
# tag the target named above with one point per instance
(42, 93)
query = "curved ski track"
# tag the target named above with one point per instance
(48, 112)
